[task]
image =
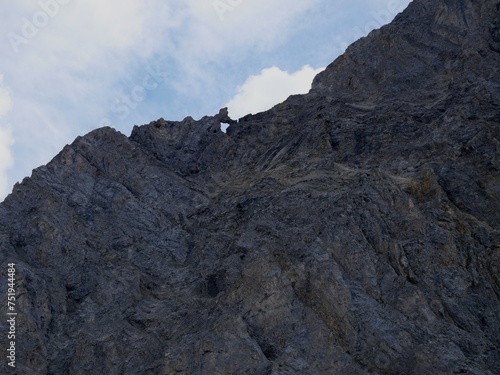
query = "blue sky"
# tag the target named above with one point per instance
(70, 66)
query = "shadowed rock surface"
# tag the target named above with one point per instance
(352, 230)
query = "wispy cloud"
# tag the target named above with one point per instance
(65, 74)
(272, 86)
(6, 139)
(6, 159)
(261, 23)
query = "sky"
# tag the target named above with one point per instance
(70, 66)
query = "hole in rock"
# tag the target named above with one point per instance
(223, 127)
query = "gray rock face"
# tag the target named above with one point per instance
(352, 230)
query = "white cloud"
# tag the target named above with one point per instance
(6, 160)
(5, 100)
(64, 73)
(270, 87)
(225, 24)
(217, 30)
(6, 141)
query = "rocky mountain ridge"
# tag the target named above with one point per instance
(351, 230)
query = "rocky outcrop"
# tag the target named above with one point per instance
(352, 230)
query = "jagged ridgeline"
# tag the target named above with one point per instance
(352, 230)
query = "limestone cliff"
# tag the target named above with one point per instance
(352, 230)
